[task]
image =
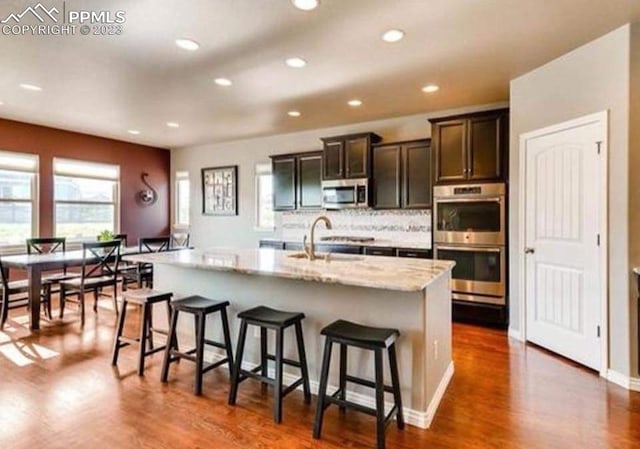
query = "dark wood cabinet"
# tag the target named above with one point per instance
(379, 251)
(402, 175)
(274, 244)
(348, 157)
(297, 181)
(310, 180)
(415, 253)
(471, 147)
(284, 183)
(338, 249)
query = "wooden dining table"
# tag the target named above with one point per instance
(36, 264)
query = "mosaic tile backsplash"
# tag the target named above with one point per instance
(401, 226)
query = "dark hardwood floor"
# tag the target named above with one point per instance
(58, 390)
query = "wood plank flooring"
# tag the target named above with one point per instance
(58, 390)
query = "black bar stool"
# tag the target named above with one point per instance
(267, 318)
(146, 298)
(347, 334)
(200, 307)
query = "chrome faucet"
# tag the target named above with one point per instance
(309, 250)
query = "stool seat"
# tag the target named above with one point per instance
(195, 304)
(145, 295)
(263, 314)
(360, 334)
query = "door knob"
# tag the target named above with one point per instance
(529, 250)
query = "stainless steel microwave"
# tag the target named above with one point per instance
(345, 193)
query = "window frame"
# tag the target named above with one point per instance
(181, 175)
(262, 169)
(116, 195)
(14, 248)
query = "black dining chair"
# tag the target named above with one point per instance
(179, 240)
(143, 275)
(50, 245)
(99, 270)
(9, 291)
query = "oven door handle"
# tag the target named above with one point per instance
(495, 199)
(467, 249)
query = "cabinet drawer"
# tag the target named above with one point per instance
(275, 244)
(340, 249)
(377, 251)
(415, 253)
(293, 246)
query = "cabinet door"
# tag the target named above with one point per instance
(377, 251)
(415, 253)
(284, 183)
(309, 181)
(333, 160)
(387, 177)
(449, 144)
(485, 147)
(417, 176)
(357, 157)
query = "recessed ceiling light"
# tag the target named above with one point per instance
(393, 35)
(173, 125)
(294, 113)
(306, 5)
(296, 63)
(354, 103)
(430, 88)
(223, 82)
(187, 44)
(31, 87)
(135, 132)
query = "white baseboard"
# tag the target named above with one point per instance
(630, 383)
(412, 417)
(515, 334)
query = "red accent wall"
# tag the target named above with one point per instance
(135, 220)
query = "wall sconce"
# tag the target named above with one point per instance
(148, 196)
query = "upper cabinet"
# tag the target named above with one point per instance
(402, 175)
(297, 181)
(348, 157)
(471, 147)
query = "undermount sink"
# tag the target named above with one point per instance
(327, 257)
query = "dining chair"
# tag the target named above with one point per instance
(99, 269)
(143, 275)
(50, 245)
(9, 289)
(179, 240)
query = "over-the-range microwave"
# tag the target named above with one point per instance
(345, 193)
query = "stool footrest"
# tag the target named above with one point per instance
(154, 350)
(285, 361)
(244, 375)
(292, 387)
(361, 408)
(128, 340)
(214, 365)
(215, 343)
(367, 383)
(390, 415)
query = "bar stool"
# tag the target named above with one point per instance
(347, 334)
(146, 298)
(200, 307)
(267, 318)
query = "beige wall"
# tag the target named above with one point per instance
(239, 231)
(592, 78)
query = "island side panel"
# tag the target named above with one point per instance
(322, 303)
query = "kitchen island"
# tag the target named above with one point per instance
(412, 295)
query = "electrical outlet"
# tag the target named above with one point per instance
(435, 350)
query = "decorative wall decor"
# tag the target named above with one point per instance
(148, 196)
(220, 190)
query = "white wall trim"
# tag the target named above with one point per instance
(627, 382)
(412, 417)
(601, 117)
(515, 334)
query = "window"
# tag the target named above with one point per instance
(264, 197)
(18, 197)
(86, 198)
(183, 203)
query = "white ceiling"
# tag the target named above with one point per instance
(141, 80)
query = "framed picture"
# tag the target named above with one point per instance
(220, 190)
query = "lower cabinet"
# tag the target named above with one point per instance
(379, 251)
(275, 244)
(339, 249)
(482, 314)
(415, 253)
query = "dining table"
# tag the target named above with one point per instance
(36, 264)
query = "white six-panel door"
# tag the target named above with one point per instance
(563, 216)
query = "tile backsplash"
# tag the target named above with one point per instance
(401, 226)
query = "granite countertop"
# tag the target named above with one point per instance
(377, 243)
(387, 273)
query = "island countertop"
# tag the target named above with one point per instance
(387, 273)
